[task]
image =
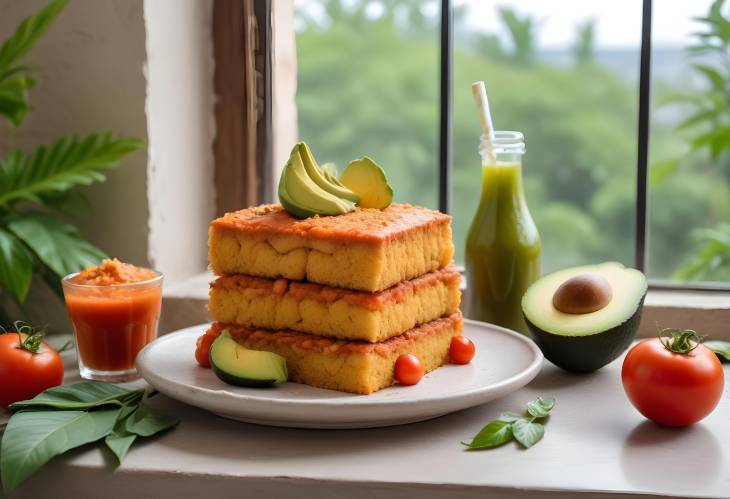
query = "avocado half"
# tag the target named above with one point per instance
(584, 342)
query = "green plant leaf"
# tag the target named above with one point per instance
(527, 433)
(119, 440)
(16, 266)
(56, 244)
(72, 202)
(510, 417)
(146, 422)
(721, 349)
(540, 407)
(13, 98)
(32, 438)
(496, 433)
(119, 444)
(661, 170)
(82, 395)
(717, 80)
(67, 163)
(27, 33)
(707, 115)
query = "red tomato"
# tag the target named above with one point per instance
(672, 389)
(461, 350)
(25, 374)
(408, 369)
(202, 348)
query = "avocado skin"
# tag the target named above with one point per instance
(235, 380)
(582, 354)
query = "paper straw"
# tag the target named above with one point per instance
(479, 92)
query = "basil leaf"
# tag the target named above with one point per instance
(510, 417)
(527, 433)
(83, 395)
(496, 433)
(119, 443)
(146, 422)
(32, 438)
(540, 407)
(721, 349)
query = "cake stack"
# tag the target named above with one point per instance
(340, 297)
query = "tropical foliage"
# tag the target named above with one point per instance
(38, 187)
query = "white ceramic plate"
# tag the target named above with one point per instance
(505, 361)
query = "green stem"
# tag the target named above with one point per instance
(680, 341)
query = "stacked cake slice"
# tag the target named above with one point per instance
(339, 297)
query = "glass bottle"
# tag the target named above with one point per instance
(503, 245)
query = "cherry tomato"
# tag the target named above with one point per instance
(673, 389)
(461, 350)
(25, 373)
(408, 369)
(202, 348)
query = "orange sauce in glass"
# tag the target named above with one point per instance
(113, 322)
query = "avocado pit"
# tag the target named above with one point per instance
(583, 294)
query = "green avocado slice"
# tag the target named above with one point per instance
(240, 366)
(367, 179)
(301, 197)
(585, 341)
(329, 170)
(315, 173)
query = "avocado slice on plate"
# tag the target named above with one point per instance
(582, 318)
(240, 366)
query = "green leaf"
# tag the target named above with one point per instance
(721, 349)
(708, 115)
(33, 438)
(119, 440)
(540, 408)
(661, 170)
(72, 202)
(527, 433)
(56, 244)
(27, 33)
(67, 163)
(510, 417)
(83, 395)
(13, 98)
(717, 80)
(496, 433)
(146, 422)
(16, 266)
(119, 444)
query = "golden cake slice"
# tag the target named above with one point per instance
(367, 249)
(340, 313)
(350, 366)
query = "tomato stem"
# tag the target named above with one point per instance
(33, 337)
(681, 341)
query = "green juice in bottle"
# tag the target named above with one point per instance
(503, 245)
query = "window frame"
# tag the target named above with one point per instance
(265, 171)
(445, 191)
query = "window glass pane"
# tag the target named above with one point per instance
(565, 73)
(689, 231)
(368, 86)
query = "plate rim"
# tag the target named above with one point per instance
(528, 373)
